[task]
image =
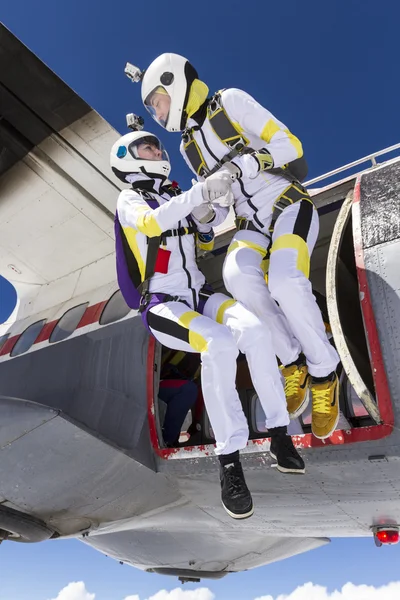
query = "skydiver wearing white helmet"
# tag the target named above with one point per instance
(156, 228)
(275, 219)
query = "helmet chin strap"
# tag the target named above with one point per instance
(159, 176)
(153, 180)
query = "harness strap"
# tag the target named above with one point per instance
(180, 231)
(204, 294)
(243, 223)
(194, 154)
(206, 291)
(230, 134)
(293, 193)
(223, 127)
(153, 246)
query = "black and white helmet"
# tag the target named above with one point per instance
(165, 90)
(139, 152)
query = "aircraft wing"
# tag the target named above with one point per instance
(58, 193)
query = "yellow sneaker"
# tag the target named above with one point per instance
(325, 406)
(296, 387)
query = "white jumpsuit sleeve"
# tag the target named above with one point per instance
(258, 121)
(134, 212)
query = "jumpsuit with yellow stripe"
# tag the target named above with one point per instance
(286, 303)
(223, 328)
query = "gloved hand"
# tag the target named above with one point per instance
(233, 170)
(226, 200)
(217, 185)
(204, 213)
(252, 164)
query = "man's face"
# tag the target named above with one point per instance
(149, 151)
(161, 104)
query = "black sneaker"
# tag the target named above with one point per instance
(235, 495)
(283, 451)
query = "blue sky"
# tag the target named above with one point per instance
(50, 566)
(330, 72)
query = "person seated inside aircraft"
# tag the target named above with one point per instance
(156, 227)
(179, 390)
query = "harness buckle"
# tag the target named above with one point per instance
(282, 204)
(243, 223)
(215, 103)
(187, 136)
(144, 301)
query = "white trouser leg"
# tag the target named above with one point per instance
(244, 278)
(253, 339)
(294, 238)
(175, 326)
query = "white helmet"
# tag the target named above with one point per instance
(139, 152)
(169, 76)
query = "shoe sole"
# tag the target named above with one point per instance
(324, 437)
(285, 470)
(236, 516)
(302, 407)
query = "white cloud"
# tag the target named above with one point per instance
(391, 591)
(75, 591)
(179, 594)
(309, 591)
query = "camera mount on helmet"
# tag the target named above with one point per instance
(134, 122)
(133, 73)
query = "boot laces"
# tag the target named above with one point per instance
(235, 480)
(292, 382)
(322, 401)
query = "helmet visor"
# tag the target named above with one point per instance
(158, 104)
(148, 147)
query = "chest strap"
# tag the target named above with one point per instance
(231, 135)
(225, 130)
(180, 231)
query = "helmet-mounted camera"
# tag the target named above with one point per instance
(134, 122)
(133, 73)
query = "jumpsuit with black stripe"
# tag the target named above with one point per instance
(218, 331)
(286, 303)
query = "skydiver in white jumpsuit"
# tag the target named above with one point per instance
(180, 317)
(177, 100)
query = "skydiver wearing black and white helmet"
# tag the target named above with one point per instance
(183, 315)
(231, 132)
